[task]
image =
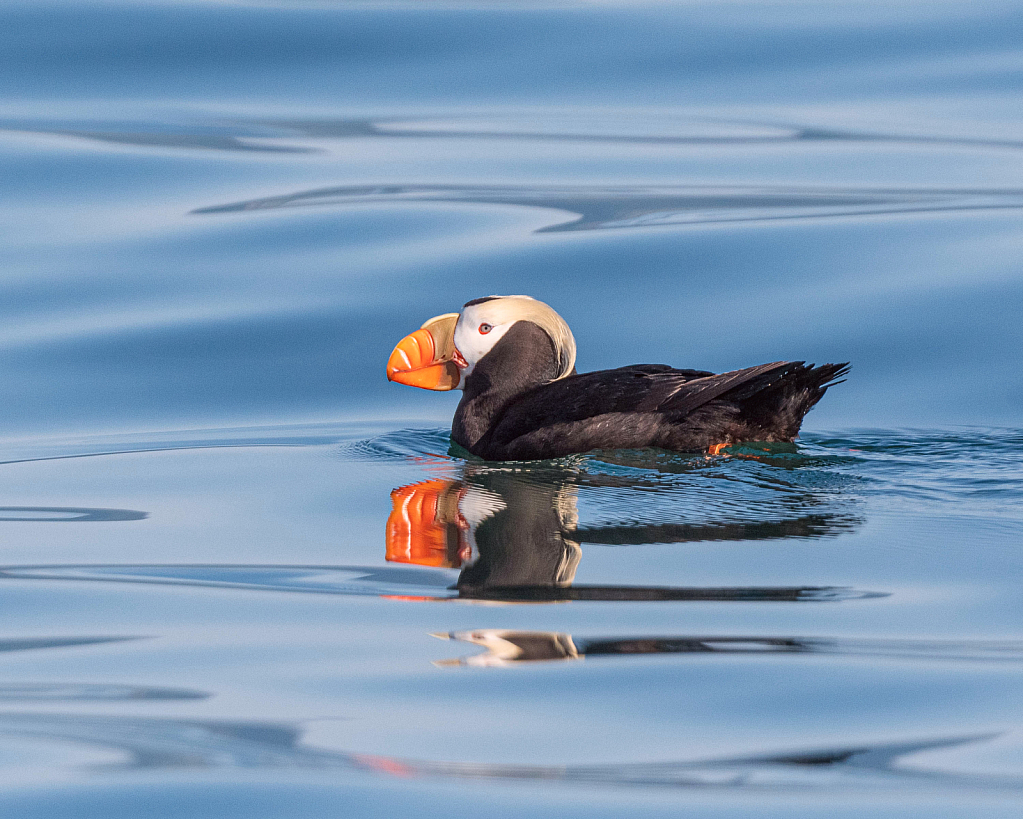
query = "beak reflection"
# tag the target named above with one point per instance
(425, 526)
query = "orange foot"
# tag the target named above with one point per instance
(716, 449)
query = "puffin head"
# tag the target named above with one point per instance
(443, 353)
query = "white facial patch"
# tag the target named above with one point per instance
(496, 316)
(473, 344)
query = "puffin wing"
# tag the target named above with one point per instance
(641, 406)
(694, 393)
(580, 401)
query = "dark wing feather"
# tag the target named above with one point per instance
(646, 388)
(654, 405)
(693, 394)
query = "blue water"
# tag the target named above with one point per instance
(217, 219)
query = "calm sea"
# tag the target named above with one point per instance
(235, 575)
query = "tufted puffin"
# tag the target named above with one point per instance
(513, 357)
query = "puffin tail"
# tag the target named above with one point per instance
(780, 406)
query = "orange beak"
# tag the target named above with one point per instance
(425, 358)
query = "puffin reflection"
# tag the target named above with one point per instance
(503, 532)
(515, 536)
(506, 647)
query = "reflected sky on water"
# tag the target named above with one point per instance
(229, 546)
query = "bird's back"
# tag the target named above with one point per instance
(657, 406)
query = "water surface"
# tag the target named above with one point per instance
(245, 576)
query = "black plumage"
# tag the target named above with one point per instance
(511, 408)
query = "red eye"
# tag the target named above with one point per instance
(485, 328)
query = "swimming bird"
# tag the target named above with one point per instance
(513, 357)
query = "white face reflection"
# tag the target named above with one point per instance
(473, 343)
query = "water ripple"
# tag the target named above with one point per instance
(168, 744)
(610, 126)
(67, 514)
(94, 691)
(408, 583)
(32, 643)
(608, 207)
(411, 445)
(978, 470)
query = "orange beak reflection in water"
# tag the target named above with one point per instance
(425, 526)
(425, 358)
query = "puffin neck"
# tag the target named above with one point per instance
(523, 359)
